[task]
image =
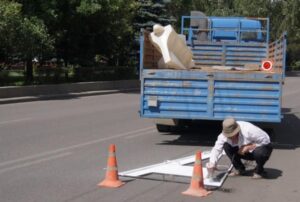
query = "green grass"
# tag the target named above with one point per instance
(67, 75)
(12, 78)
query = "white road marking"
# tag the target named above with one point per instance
(27, 158)
(73, 147)
(34, 162)
(14, 121)
(138, 135)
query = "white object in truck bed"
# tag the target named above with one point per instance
(176, 54)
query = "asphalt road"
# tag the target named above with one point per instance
(56, 151)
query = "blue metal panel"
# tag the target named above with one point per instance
(245, 109)
(176, 98)
(180, 94)
(165, 74)
(208, 62)
(231, 28)
(246, 85)
(249, 117)
(250, 76)
(268, 32)
(175, 83)
(178, 107)
(179, 99)
(175, 114)
(224, 28)
(246, 93)
(244, 59)
(247, 48)
(228, 54)
(141, 54)
(248, 100)
(284, 54)
(174, 91)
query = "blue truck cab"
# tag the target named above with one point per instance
(228, 79)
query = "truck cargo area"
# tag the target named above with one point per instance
(225, 80)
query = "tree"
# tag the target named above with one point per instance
(24, 37)
(78, 31)
(32, 41)
(151, 12)
(289, 21)
(9, 20)
(106, 31)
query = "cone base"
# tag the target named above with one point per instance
(200, 192)
(111, 184)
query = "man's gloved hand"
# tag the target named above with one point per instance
(246, 148)
(210, 169)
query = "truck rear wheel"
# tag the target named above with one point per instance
(163, 128)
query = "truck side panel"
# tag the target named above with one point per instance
(199, 95)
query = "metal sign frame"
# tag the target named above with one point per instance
(179, 167)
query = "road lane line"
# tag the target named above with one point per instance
(14, 121)
(28, 158)
(139, 135)
(74, 146)
(34, 162)
(104, 139)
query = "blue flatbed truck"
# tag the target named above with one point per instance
(221, 84)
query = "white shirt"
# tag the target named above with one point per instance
(249, 134)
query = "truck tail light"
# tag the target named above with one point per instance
(266, 65)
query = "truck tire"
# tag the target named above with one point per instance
(163, 128)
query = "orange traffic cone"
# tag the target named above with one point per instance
(111, 179)
(197, 186)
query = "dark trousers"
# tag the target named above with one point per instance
(259, 154)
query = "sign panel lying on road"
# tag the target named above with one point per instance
(180, 167)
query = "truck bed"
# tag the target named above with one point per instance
(204, 92)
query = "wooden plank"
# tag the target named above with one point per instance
(151, 54)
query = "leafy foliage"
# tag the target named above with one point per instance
(104, 32)
(152, 12)
(22, 36)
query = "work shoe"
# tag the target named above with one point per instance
(234, 173)
(257, 176)
(260, 175)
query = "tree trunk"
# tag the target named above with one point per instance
(29, 71)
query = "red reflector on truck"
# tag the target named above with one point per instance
(266, 65)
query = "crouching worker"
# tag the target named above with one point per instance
(242, 140)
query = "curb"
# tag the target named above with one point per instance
(63, 96)
(13, 94)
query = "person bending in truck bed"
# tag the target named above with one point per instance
(242, 140)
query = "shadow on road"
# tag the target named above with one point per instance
(273, 173)
(284, 135)
(69, 96)
(202, 133)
